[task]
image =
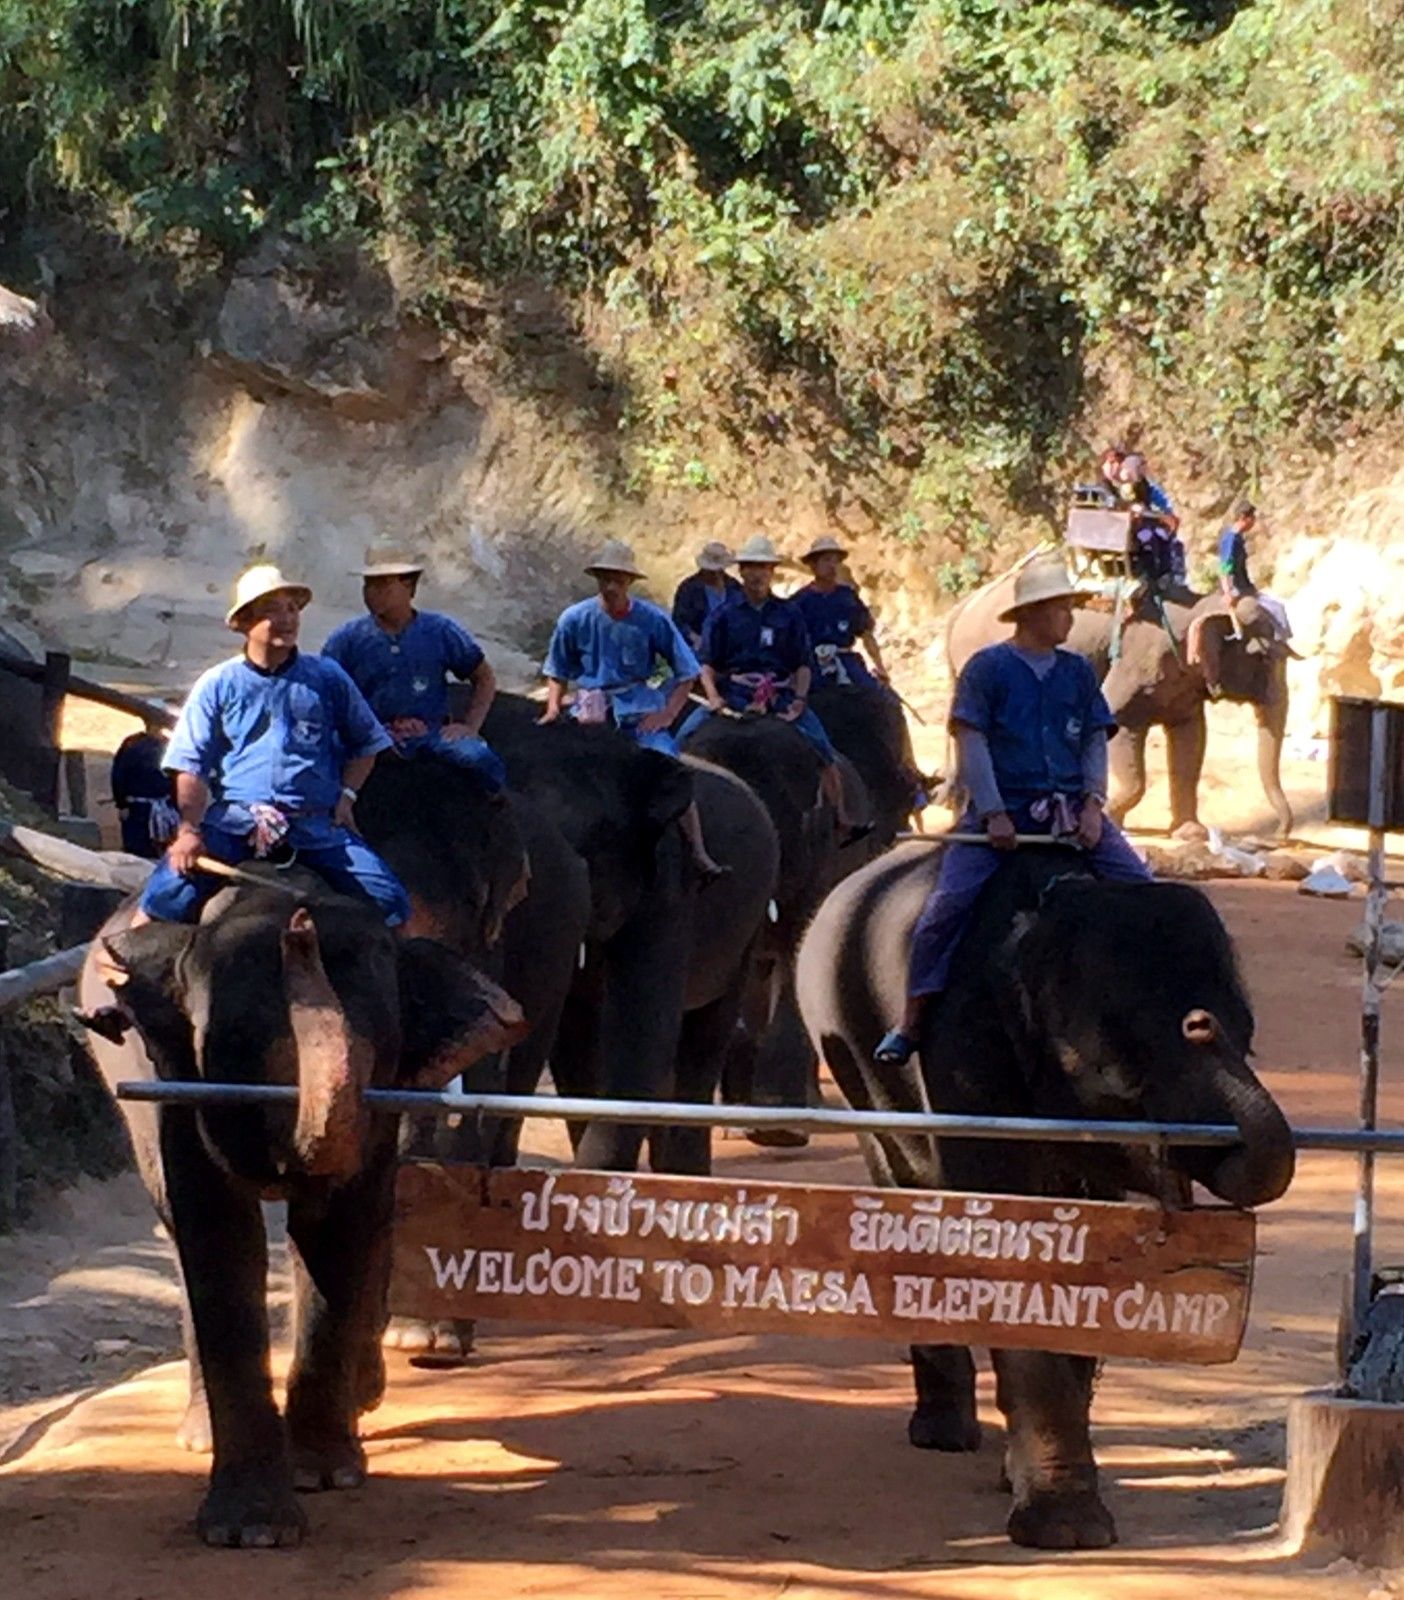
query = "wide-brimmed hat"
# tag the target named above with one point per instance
(826, 545)
(258, 582)
(614, 556)
(1044, 578)
(715, 557)
(759, 552)
(384, 560)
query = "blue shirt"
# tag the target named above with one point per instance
(1233, 561)
(279, 737)
(769, 638)
(836, 620)
(696, 600)
(406, 674)
(594, 650)
(1036, 727)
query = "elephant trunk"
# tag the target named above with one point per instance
(333, 1064)
(1259, 1168)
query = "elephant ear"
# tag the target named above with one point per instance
(450, 1015)
(142, 966)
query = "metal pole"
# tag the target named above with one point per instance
(1364, 1219)
(672, 1114)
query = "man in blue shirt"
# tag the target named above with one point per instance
(698, 596)
(611, 647)
(1031, 728)
(1234, 582)
(271, 747)
(756, 658)
(837, 620)
(401, 660)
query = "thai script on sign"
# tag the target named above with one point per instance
(927, 1229)
(621, 1213)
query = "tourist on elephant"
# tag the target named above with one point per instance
(610, 648)
(756, 657)
(699, 595)
(1031, 728)
(1157, 552)
(143, 794)
(270, 749)
(401, 659)
(1259, 621)
(838, 620)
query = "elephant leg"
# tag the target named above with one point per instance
(341, 1244)
(944, 1417)
(1272, 727)
(194, 1432)
(219, 1238)
(1046, 1400)
(639, 1025)
(576, 1070)
(702, 1044)
(1127, 761)
(1184, 751)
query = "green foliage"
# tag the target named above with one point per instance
(917, 241)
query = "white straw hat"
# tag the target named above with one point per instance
(759, 552)
(715, 557)
(384, 560)
(258, 582)
(614, 556)
(1043, 578)
(825, 545)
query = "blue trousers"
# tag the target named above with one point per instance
(967, 868)
(346, 863)
(806, 723)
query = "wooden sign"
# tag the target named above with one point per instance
(636, 1250)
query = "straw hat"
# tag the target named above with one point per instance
(759, 552)
(825, 545)
(258, 582)
(1043, 578)
(714, 557)
(384, 560)
(614, 556)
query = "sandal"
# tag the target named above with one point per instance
(894, 1049)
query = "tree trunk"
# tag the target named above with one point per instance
(1344, 1493)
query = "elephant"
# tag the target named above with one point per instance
(1068, 997)
(657, 989)
(866, 724)
(772, 1062)
(1149, 682)
(309, 990)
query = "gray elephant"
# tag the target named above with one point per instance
(1149, 681)
(319, 995)
(1068, 997)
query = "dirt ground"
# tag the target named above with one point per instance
(603, 1464)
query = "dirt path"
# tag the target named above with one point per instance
(605, 1464)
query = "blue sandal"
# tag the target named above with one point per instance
(894, 1049)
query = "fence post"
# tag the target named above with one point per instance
(53, 689)
(9, 1131)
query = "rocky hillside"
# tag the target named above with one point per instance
(504, 280)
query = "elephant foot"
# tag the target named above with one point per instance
(936, 1426)
(1194, 832)
(340, 1464)
(778, 1138)
(1076, 1521)
(194, 1433)
(431, 1344)
(251, 1508)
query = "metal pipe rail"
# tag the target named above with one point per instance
(673, 1114)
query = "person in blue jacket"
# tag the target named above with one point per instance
(838, 621)
(401, 659)
(756, 658)
(615, 648)
(699, 595)
(271, 749)
(1030, 725)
